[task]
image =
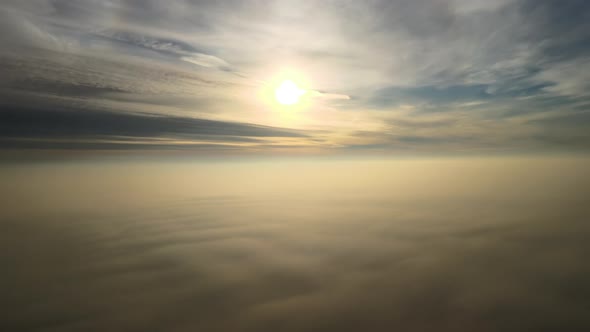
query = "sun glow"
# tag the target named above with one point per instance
(288, 93)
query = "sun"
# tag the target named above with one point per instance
(288, 93)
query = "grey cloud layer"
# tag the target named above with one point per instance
(28, 126)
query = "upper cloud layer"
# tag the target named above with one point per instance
(500, 64)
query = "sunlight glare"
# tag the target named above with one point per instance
(288, 93)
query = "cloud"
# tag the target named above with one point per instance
(205, 60)
(170, 47)
(329, 96)
(566, 120)
(21, 127)
(163, 45)
(19, 32)
(434, 244)
(418, 123)
(567, 79)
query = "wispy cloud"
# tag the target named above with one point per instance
(205, 60)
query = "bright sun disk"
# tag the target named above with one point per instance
(288, 93)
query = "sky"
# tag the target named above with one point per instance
(380, 77)
(294, 165)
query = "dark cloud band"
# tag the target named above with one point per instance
(38, 124)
